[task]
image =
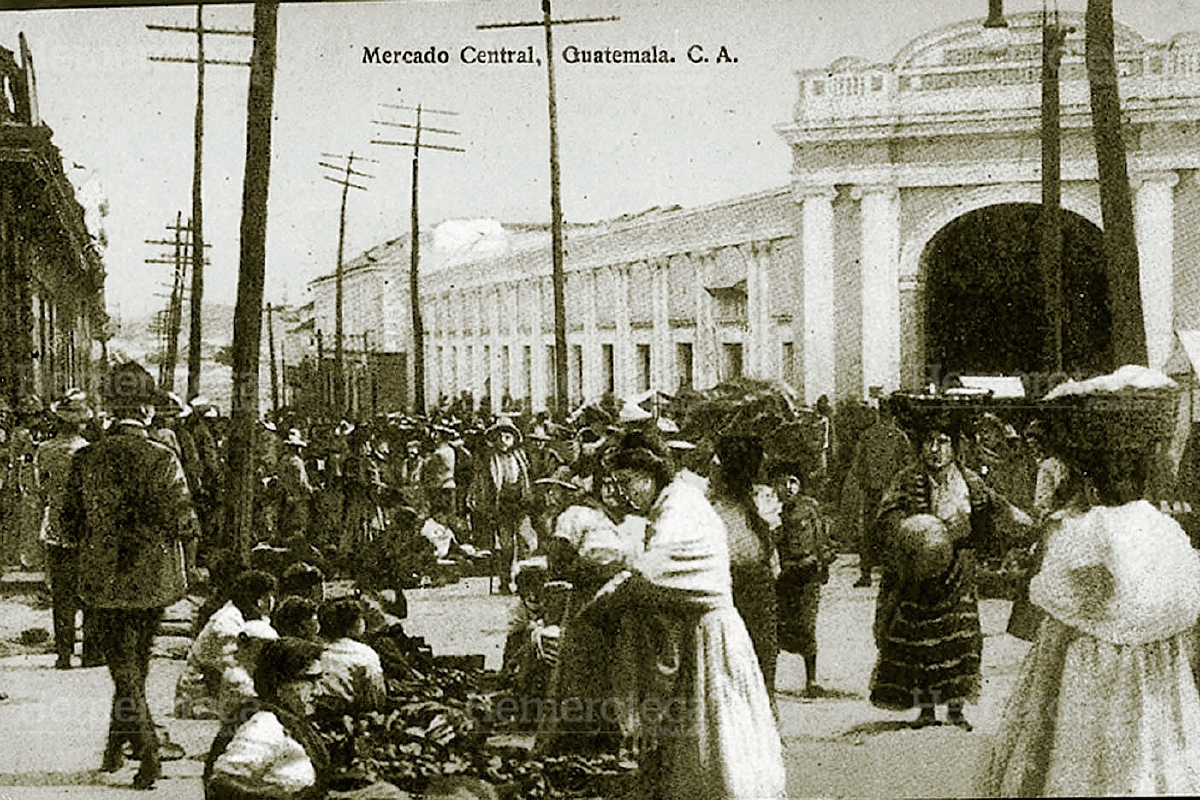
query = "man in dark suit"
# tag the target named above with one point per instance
(127, 512)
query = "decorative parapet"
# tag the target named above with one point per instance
(965, 72)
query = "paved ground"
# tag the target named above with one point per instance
(53, 724)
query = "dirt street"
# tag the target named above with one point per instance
(837, 746)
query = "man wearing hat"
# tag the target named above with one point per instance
(127, 510)
(53, 462)
(295, 490)
(501, 497)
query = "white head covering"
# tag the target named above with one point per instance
(1154, 587)
(687, 549)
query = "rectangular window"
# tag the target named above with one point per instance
(683, 358)
(643, 366)
(505, 382)
(732, 367)
(527, 372)
(789, 363)
(577, 371)
(608, 367)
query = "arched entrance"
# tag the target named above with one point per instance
(984, 308)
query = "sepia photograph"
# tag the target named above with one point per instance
(599, 399)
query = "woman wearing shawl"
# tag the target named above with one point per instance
(705, 723)
(1106, 703)
(927, 619)
(593, 540)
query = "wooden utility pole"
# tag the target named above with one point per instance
(561, 399)
(414, 289)
(181, 259)
(1116, 204)
(247, 319)
(1054, 37)
(195, 328)
(271, 309)
(339, 350)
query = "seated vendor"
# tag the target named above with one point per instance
(268, 749)
(352, 676)
(252, 596)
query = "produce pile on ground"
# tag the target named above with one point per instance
(440, 720)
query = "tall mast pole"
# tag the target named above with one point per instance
(556, 234)
(195, 325)
(339, 355)
(418, 327)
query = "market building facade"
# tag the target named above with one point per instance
(901, 253)
(52, 308)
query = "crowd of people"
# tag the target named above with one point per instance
(660, 577)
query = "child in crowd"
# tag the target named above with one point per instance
(805, 552)
(267, 748)
(237, 682)
(352, 676)
(531, 648)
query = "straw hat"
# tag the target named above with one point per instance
(505, 424)
(73, 407)
(295, 439)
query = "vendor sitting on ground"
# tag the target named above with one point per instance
(268, 749)
(252, 597)
(531, 648)
(237, 682)
(352, 676)
(297, 617)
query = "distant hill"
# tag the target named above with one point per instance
(135, 339)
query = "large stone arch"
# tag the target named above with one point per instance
(1078, 198)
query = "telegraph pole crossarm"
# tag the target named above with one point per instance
(558, 279)
(418, 328)
(197, 295)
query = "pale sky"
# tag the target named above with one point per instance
(632, 136)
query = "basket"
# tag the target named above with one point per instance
(1124, 420)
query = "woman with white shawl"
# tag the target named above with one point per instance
(1106, 703)
(706, 726)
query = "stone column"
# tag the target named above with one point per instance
(817, 243)
(706, 368)
(494, 341)
(1154, 217)
(537, 353)
(661, 357)
(761, 359)
(880, 264)
(592, 373)
(622, 341)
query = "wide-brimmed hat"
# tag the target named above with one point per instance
(73, 407)
(205, 407)
(505, 424)
(172, 405)
(295, 439)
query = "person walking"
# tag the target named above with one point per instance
(1106, 703)
(295, 490)
(127, 511)
(53, 463)
(935, 515)
(882, 453)
(502, 493)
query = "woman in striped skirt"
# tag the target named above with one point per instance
(927, 629)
